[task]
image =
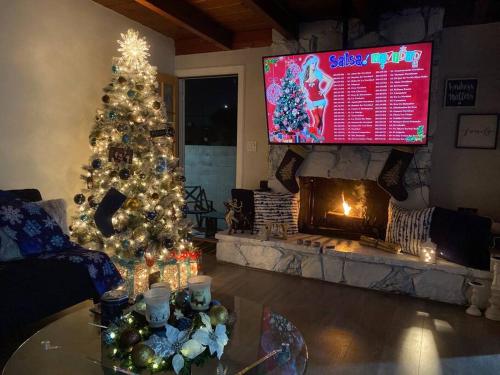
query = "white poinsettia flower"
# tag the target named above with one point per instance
(176, 343)
(216, 339)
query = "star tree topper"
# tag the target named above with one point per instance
(134, 49)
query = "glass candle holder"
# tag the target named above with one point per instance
(427, 252)
(199, 288)
(157, 306)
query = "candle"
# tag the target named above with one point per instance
(157, 306)
(427, 252)
(199, 287)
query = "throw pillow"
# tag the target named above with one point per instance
(409, 228)
(56, 208)
(8, 248)
(276, 207)
(33, 229)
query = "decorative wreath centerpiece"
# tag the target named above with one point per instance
(190, 337)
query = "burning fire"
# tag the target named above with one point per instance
(345, 206)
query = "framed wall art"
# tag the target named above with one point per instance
(460, 92)
(477, 131)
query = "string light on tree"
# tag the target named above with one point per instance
(131, 206)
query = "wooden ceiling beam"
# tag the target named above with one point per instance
(242, 39)
(279, 17)
(187, 16)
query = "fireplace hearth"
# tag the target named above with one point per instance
(342, 208)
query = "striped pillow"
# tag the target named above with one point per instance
(276, 207)
(408, 228)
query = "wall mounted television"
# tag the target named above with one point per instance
(377, 96)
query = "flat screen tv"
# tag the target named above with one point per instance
(376, 95)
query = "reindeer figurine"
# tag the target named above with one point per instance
(233, 209)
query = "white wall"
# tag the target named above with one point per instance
(254, 123)
(55, 58)
(466, 177)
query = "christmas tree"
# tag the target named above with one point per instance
(290, 113)
(132, 205)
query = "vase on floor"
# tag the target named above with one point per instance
(493, 311)
(473, 309)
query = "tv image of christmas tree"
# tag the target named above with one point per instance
(133, 201)
(290, 113)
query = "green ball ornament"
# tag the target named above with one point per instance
(142, 355)
(218, 315)
(84, 217)
(129, 338)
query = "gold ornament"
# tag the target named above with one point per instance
(142, 355)
(140, 235)
(132, 204)
(218, 315)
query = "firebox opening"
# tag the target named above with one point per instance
(342, 208)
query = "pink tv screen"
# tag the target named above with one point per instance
(374, 95)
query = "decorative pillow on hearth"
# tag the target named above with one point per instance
(56, 208)
(277, 208)
(409, 228)
(33, 229)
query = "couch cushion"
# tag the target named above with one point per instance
(31, 227)
(28, 195)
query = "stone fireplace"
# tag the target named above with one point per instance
(342, 208)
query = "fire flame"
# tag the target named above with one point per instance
(345, 206)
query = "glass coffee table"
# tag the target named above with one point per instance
(72, 345)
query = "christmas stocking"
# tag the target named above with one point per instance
(289, 166)
(392, 174)
(111, 203)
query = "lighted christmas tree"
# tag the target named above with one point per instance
(290, 112)
(132, 206)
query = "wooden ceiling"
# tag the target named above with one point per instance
(210, 25)
(218, 25)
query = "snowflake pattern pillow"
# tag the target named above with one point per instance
(31, 227)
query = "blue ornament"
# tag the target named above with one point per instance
(151, 215)
(160, 168)
(131, 94)
(214, 302)
(126, 244)
(96, 163)
(115, 69)
(184, 323)
(126, 138)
